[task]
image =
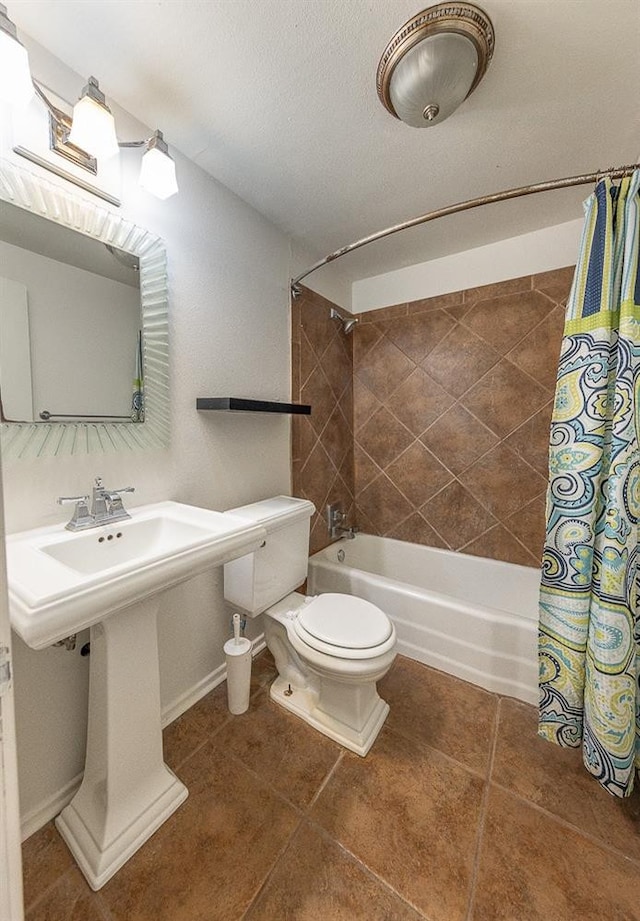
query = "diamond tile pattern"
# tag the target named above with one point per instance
(419, 334)
(503, 315)
(460, 812)
(384, 437)
(504, 398)
(419, 401)
(322, 443)
(479, 399)
(452, 400)
(383, 368)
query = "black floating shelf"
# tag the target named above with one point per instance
(235, 405)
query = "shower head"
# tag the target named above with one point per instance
(347, 322)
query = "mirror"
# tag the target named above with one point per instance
(83, 324)
(70, 324)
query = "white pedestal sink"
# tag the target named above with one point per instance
(106, 579)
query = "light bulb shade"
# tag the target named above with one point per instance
(433, 79)
(93, 128)
(158, 173)
(16, 86)
(434, 61)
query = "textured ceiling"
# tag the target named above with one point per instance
(277, 100)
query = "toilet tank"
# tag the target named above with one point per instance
(256, 581)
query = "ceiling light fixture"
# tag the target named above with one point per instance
(91, 132)
(434, 61)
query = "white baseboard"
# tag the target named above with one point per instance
(54, 804)
(48, 808)
(190, 697)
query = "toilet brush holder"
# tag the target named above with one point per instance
(238, 655)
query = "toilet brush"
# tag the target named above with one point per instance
(238, 656)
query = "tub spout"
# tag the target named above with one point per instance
(349, 533)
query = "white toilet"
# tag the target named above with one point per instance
(329, 650)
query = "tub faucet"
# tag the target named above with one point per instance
(348, 532)
(336, 518)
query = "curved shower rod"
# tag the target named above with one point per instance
(615, 173)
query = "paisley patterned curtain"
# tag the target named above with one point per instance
(589, 643)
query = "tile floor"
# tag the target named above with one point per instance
(459, 812)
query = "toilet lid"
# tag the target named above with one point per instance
(343, 621)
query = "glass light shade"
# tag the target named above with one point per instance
(158, 174)
(16, 87)
(93, 128)
(435, 74)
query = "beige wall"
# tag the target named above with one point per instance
(229, 335)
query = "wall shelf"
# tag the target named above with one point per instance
(237, 404)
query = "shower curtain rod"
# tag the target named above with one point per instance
(586, 179)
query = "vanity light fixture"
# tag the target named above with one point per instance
(16, 87)
(92, 126)
(434, 61)
(158, 170)
(90, 133)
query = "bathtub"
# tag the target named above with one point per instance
(473, 618)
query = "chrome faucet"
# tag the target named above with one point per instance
(336, 518)
(106, 507)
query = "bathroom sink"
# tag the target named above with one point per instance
(60, 582)
(149, 538)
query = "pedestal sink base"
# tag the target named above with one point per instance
(99, 865)
(127, 790)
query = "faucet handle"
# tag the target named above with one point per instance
(116, 492)
(65, 500)
(82, 517)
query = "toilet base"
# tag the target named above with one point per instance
(303, 703)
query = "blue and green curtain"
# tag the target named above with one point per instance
(589, 642)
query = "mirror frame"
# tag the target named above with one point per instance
(28, 440)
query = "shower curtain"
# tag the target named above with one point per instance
(589, 640)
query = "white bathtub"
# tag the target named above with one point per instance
(471, 617)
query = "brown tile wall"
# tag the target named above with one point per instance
(452, 405)
(322, 443)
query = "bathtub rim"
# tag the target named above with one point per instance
(452, 601)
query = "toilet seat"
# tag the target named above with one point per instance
(344, 626)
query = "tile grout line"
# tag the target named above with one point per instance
(417, 511)
(49, 889)
(227, 720)
(457, 477)
(324, 783)
(353, 858)
(265, 882)
(511, 535)
(107, 914)
(303, 817)
(482, 817)
(408, 316)
(438, 751)
(73, 866)
(589, 836)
